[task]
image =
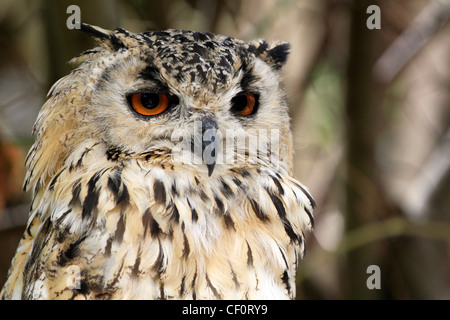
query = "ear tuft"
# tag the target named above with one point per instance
(275, 54)
(106, 37)
(279, 54)
(96, 32)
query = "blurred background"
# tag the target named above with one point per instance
(370, 113)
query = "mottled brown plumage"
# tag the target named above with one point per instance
(131, 206)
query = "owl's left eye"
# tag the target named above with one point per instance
(245, 104)
(149, 104)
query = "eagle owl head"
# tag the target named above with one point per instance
(199, 101)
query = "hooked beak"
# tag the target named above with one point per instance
(209, 142)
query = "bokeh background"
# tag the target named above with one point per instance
(370, 115)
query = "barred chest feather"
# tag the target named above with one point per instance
(130, 229)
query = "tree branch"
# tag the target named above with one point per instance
(406, 46)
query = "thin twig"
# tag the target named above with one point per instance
(406, 46)
(372, 232)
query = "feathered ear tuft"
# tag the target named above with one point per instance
(275, 54)
(279, 53)
(106, 37)
(96, 32)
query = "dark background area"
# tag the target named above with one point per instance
(370, 116)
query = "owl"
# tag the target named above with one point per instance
(162, 169)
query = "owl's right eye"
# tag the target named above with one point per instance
(149, 104)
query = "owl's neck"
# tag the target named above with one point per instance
(235, 235)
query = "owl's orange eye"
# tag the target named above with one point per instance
(149, 104)
(245, 104)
